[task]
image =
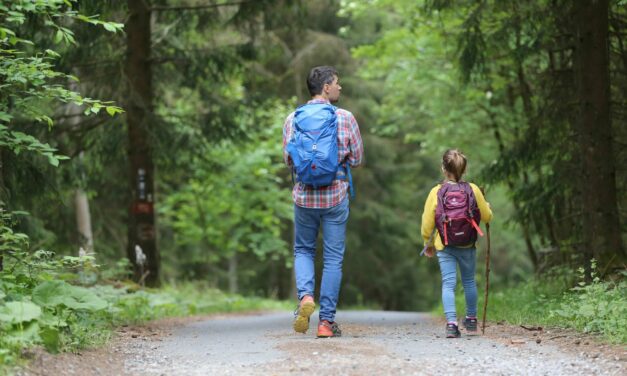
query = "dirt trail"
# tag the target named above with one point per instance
(374, 343)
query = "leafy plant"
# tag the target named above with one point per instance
(599, 306)
(550, 300)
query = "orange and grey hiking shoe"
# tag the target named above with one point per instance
(301, 316)
(328, 329)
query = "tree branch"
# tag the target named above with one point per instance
(198, 7)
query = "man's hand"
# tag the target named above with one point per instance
(430, 251)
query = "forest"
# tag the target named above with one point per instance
(140, 146)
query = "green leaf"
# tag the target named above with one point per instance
(53, 160)
(16, 312)
(4, 32)
(50, 294)
(25, 335)
(81, 298)
(50, 320)
(58, 37)
(112, 110)
(5, 117)
(52, 53)
(109, 27)
(55, 293)
(82, 17)
(587, 310)
(50, 338)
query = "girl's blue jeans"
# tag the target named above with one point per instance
(449, 258)
(307, 223)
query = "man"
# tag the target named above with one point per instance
(322, 207)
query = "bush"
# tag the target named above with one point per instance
(599, 307)
(43, 304)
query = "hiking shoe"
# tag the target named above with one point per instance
(452, 331)
(328, 329)
(470, 324)
(301, 316)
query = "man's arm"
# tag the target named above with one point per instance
(356, 145)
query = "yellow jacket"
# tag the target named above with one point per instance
(428, 215)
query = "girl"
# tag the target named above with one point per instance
(455, 208)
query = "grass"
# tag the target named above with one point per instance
(558, 300)
(126, 306)
(188, 299)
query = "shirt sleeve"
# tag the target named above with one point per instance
(356, 146)
(428, 217)
(484, 206)
(287, 135)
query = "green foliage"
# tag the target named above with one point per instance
(233, 201)
(598, 307)
(9, 239)
(180, 300)
(19, 312)
(526, 303)
(38, 306)
(29, 79)
(496, 80)
(550, 300)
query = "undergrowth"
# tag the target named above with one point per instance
(563, 299)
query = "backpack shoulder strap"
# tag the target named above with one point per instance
(440, 198)
(472, 201)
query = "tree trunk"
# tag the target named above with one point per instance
(83, 220)
(138, 112)
(601, 229)
(81, 203)
(233, 274)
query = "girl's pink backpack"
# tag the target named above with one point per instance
(457, 216)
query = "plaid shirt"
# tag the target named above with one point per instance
(350, 149)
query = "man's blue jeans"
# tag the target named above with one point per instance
(307, 223)
(449, 258)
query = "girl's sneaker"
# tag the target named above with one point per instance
(470, 323)
(452, 331)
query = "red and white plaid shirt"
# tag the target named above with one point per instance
(350, 150)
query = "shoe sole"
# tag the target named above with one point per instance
(453, 336)
(301, 323)
(329, 336)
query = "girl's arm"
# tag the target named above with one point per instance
(428, 217)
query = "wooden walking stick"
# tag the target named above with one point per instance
(487, 278)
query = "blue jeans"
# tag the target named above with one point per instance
(307, 223)
(449, 258)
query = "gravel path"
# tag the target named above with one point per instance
(374, 343)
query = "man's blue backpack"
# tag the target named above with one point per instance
(313, 146)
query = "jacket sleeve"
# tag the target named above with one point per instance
(484, 206)
(356, 144)
(428, 216)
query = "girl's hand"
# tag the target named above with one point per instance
(430, 251)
